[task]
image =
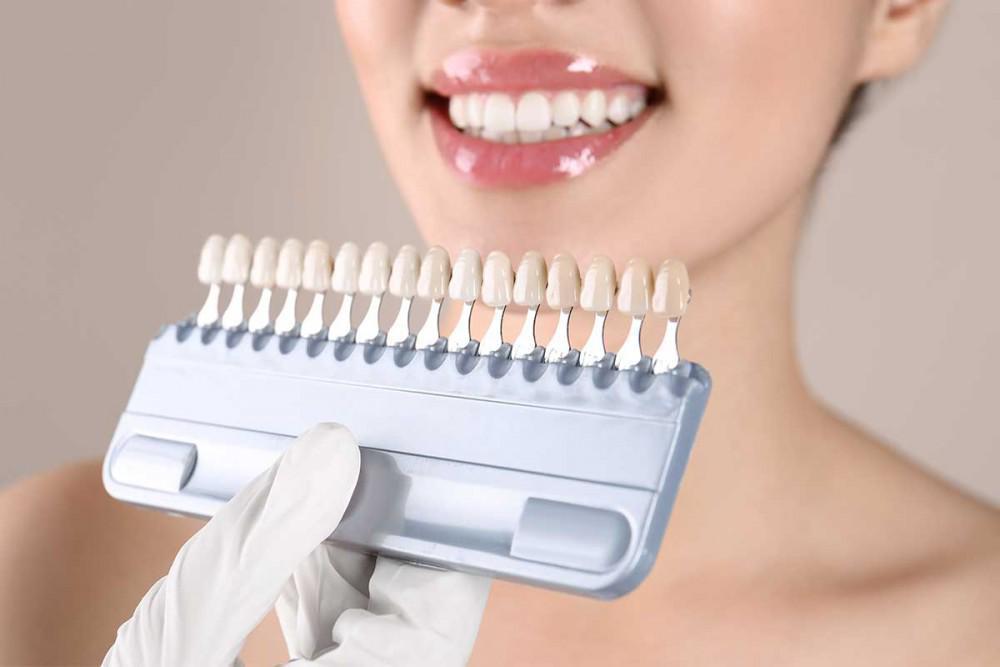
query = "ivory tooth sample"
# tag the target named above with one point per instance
(263, 272)
(346, 267)
(529, 291)
(373, 280)
(635, 291)
(316, 268)
(210, 273)
(403, 285)
(670, 298)
(236, 272)
(497, 293)
(432, 284)
(597, 296)
(289, 278)
(562, 293)
(466, 280)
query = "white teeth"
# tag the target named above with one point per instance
(544, 116)
(533, 113)
(457, 111)
(594, 108)
(618, 109)
(499, 115)
(566, 109)
(473, 110)
(554, 133)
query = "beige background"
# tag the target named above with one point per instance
(128, 130)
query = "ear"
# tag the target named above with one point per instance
(900, 32)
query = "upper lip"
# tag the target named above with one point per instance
(477, 70)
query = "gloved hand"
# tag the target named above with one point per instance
(265, 547)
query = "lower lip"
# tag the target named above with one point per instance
(493, 164)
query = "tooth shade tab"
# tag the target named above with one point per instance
(317, 266)
(599, 285)
(498, 280)
(563, 288)
(211, 259)
(264, 266)
(672, 292)
(236, 260)
(289, 274)
(435, 273)
(635, 290)
(466, 277)
(373, 280)
(529, 281)
(346, 267)
(404, 274)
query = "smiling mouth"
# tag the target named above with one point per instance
(528, 118)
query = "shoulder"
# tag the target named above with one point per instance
(75, 560)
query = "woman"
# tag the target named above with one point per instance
(796, 539)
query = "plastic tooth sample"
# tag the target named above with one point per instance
(263, 272)
(316, 269)
(373, 281)
(671, 296)
(432, 285)
(344, 281)
(529, 291)
(562, 293)
(466, 281)
(289, 278)
(635, 292)
(497, 293)
(236, 272)
(403, 285)
(210, 273)
(597, 296)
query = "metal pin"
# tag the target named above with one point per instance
(373, 280)
(263, 272)
(403, 285)
(432, 284)
(316, 268)
(671, 297)
(597, 296)
(236, 272)
(210, 273)
(497, 293)
(466, 280)
(346, 267)
(289, 278)
(634, 294)
(529, 291)
(562, 293)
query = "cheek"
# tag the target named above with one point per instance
(756, 88)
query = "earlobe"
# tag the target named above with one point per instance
(899, 34)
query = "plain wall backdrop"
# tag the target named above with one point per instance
(130, 130)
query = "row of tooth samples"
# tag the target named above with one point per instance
(494, 283)
(542, 115)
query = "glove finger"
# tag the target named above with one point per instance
(328, 582)
(228, 575)
(416, 616)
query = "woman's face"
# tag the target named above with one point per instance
(743, 97)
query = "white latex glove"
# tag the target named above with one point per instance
(266, 545)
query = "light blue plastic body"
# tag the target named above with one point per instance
(548, 474)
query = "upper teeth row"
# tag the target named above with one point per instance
(535, 114)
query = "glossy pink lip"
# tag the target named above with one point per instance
(494, 164)
(473, 70)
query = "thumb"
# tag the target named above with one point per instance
(227, 576)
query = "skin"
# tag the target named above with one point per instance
(796, 539)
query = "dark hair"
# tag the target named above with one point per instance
(854, 107)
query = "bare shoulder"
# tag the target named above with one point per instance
(73, 565)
